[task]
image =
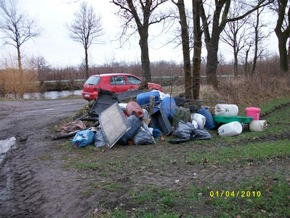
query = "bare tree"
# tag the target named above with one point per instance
(139, 15)
(86, 29)
(236, 35)
(282, 31)
(17, 28)
(218, 22)
(258, 37)
(39, 65)
(185, 48)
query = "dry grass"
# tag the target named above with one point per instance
(11, 84)
(242, 91)
(254, 90)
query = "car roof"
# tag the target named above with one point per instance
(114, 74)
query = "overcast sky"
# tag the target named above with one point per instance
(59, 50)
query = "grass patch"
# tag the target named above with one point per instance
(271, 203)
(142, 198)
(112, 186)
(90, 189)
(272, 105)
(252, 151)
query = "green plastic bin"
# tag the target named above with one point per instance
(226, 119)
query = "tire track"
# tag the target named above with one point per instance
(24, 184)
(21, 194)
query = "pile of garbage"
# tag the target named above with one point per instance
(144, 117)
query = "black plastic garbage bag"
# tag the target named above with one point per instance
(200, 134)
(184, 130)
(143, 136)
(99, 139)
(135, 123)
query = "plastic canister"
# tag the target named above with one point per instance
(144, 98)
(168, 106)
(230, 129)
(134, 108)
(209, 123)
(200, 119)
(253, 112)
(258, 125)
(226, 110)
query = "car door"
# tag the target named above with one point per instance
(118, 84)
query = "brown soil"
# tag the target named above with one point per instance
(34, 183)
(30, 187)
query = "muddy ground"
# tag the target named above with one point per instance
(34, 182)
(29, 188)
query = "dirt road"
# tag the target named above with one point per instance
(25, 182)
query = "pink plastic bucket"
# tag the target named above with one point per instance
(253, 112)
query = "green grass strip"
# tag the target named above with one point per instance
(253, 151)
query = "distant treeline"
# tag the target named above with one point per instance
(45, 78)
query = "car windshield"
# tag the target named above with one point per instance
(93, 80)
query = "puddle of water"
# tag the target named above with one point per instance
(51, 94)
(5, 146)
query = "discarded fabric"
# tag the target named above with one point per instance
(72, 126)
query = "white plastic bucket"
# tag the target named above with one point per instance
(226, 110)
(230, 129)
(199, 118)
(258, 125)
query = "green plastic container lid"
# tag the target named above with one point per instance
(226, 119)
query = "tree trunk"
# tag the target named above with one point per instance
(256, 42)
(21, 91)
(288, 53)
(20, 65)
(282, 44)
(145, 61)
(87, 62)
(246, 65)
(197, 49)
(212, 63)
(185, 49)
(196, 68)
(283, 34)
(236, 64)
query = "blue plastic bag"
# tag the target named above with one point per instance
(83, 138)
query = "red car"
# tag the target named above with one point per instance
(114, 82)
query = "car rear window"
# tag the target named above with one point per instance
(93, 80)
(133, 80)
